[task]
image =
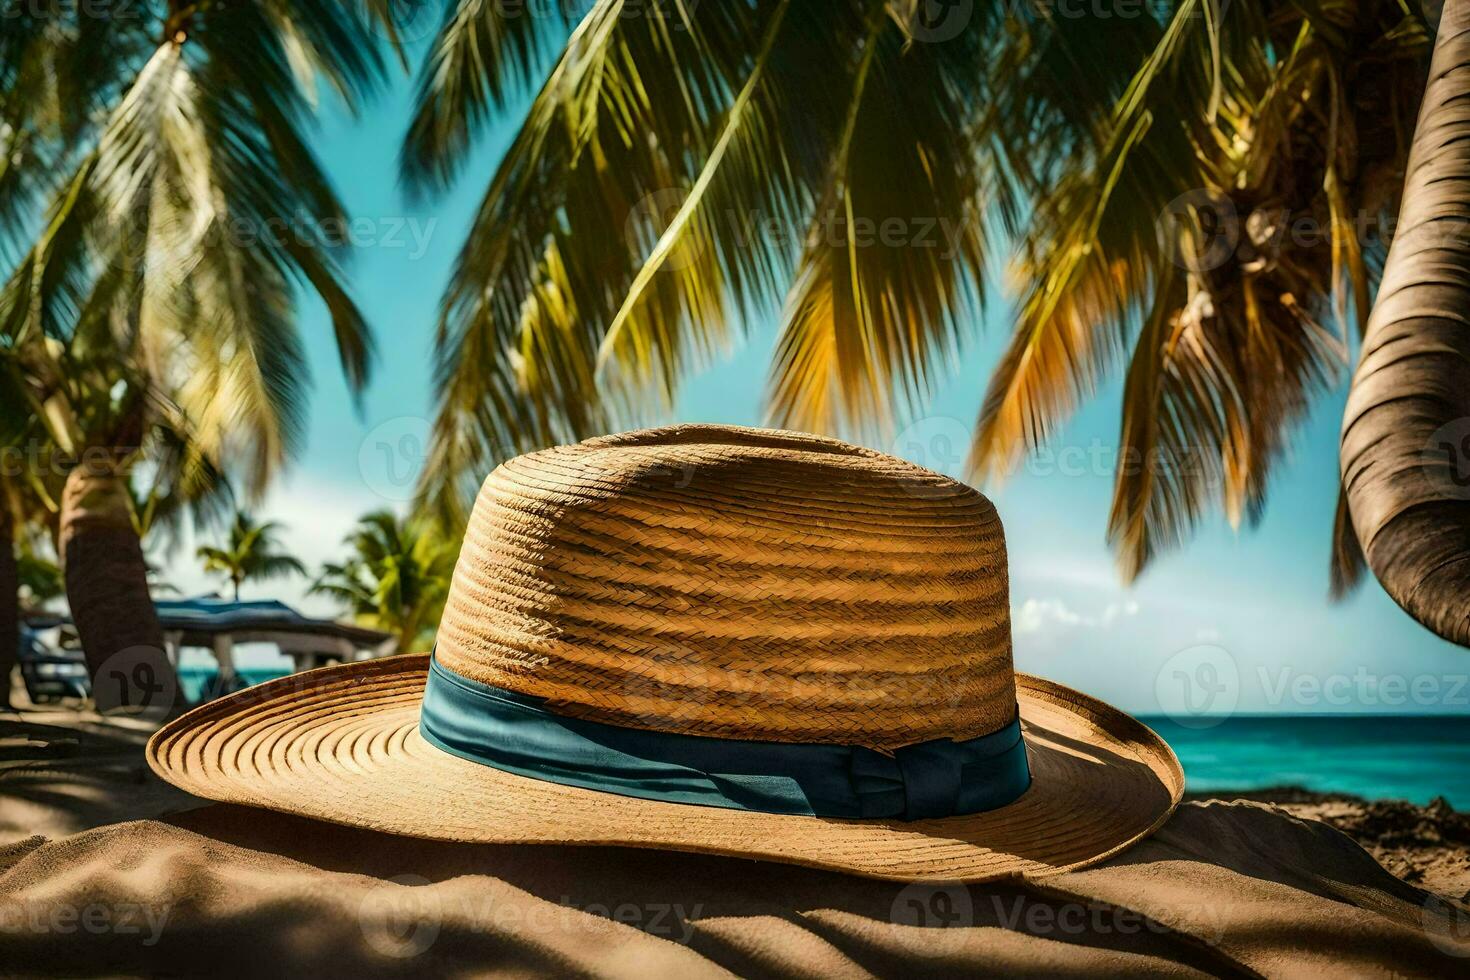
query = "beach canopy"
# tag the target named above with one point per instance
(197, 621)
(218, 625)
(201, 618)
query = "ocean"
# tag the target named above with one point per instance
(1414, 758)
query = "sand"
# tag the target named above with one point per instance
(1427, 846)
(66, 770)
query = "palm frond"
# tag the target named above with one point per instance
(397, 577)
(888, 287)
(1345, 571)
(689, 226)
(1092, 244)
(218, 208)
(581, 164)
(749, 103)
(1104, 147)
(60, 68)
(484, 57)
(1182, 231)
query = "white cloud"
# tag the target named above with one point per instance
(1117, 610)
(315, 515)
(1036, 615)
(1065, 569)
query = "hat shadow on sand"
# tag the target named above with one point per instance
(604, 878)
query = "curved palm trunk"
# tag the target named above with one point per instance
(408, 635)
(107, 588)
(9, 604)
(1406, 431)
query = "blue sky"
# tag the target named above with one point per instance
(1232, 621)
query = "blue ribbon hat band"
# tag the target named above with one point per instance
(517, 733)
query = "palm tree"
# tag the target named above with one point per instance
(159, 291)
(251, 554)
(39, 577)
(26, 511)
(397, 578)
(27, 579)
(1407, 425)
(636, 223)
(9, 600)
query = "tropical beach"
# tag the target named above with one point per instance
(69, 771)
(763, 488)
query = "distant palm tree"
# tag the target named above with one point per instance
(251, 554)
(1194, 193)
(396, 580)
(157, 288)
(10, 584)
(39, 577)
(28, 580)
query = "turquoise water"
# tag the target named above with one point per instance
(1412, 758)
(193, 679)
(1406, 758)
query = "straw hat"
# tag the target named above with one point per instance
(712, 639)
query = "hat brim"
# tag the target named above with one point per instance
(342, 744)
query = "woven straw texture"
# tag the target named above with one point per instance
(713, 581)
(738, 583)
(342, 744)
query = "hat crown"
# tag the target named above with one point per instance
(738, 583)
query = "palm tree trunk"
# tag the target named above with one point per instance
(107, 588)
(9, 603)
(410, 631)
(1406, 431)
